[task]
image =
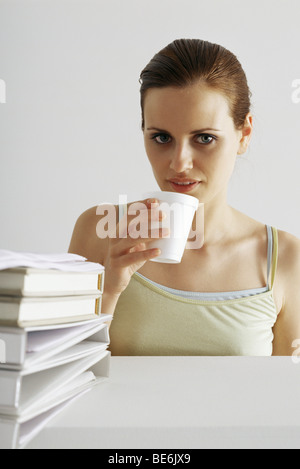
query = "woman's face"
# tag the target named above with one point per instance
(191, 140)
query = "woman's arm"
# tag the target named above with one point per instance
(287, 328)
(120, 254)
(85, 241)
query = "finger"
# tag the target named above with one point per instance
(130, 214)
(139, 247)
(138, 219)
(138, 257)
(131, 245)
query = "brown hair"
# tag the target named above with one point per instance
(187, 61)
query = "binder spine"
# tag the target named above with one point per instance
(15, 346)
(98, 306)
(10, 385)
(101, 282)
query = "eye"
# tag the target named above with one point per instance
(205, 139)
(161, 138)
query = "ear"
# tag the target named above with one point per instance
(246, 133)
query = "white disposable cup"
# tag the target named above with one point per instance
(180, 210)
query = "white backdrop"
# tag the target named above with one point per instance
(70, 133)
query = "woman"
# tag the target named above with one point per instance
(239, 293)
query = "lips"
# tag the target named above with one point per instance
(183, 184)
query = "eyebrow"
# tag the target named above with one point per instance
(192, 133)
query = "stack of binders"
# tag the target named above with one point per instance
(53, 339)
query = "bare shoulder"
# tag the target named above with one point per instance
(288, 256)
(86, 240)
(287, 327)
(287, 279)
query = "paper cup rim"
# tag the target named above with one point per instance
(172, 196)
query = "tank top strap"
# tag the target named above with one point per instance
(270, 249)
(272, 255)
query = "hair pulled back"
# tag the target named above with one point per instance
(185, 62)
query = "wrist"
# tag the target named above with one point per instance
(109, 302)
(112, 285)
(110, 297)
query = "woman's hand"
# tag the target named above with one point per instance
(129, 251)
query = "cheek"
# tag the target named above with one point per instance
(220, 163)
(155, 157)
(159, 167)
(149, 150)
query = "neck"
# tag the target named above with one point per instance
(218, 218)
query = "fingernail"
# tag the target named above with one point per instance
(153, 202)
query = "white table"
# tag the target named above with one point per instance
(184, 402)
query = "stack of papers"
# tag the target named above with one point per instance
(42, 289)
(64, 261)
(53, 338)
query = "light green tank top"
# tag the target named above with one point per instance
(153, 320)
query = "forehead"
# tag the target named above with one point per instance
(195, 106)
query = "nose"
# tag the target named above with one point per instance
(182, 158)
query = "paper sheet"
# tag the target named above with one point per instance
(62, 261)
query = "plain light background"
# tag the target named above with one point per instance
(70, 133)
